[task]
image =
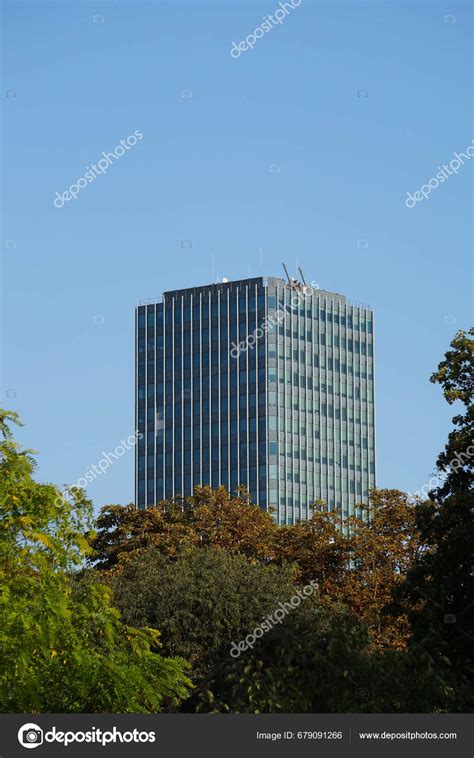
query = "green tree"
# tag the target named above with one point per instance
(320, 658)
(202, 600)
(455, 374)
(440, 584)
(64, 648)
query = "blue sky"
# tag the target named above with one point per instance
(304, 147)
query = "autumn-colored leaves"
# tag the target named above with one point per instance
(357, 563)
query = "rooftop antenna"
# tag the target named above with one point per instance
(287, 274)
(302, 277)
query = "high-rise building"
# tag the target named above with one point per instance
(256, 382)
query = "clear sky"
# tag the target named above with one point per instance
(304, 148)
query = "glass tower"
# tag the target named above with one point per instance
(259, 383)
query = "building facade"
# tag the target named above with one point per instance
(260, 383)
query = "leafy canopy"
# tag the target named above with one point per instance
(63, 648)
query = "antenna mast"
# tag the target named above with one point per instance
(302, 276)
(287, 275)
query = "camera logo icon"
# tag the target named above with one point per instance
(30, 735)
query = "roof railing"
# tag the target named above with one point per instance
(150, 301)
(353, 303)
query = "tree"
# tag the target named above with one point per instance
(65, 649)
(321, 660)
(123, 531)
(315, 661)
(202, 600)
(357, 562)
(440, 584)
(208, 517)
(384, 547)
(232, 523)
(317, 657)
(456, 376)
(318, 548)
